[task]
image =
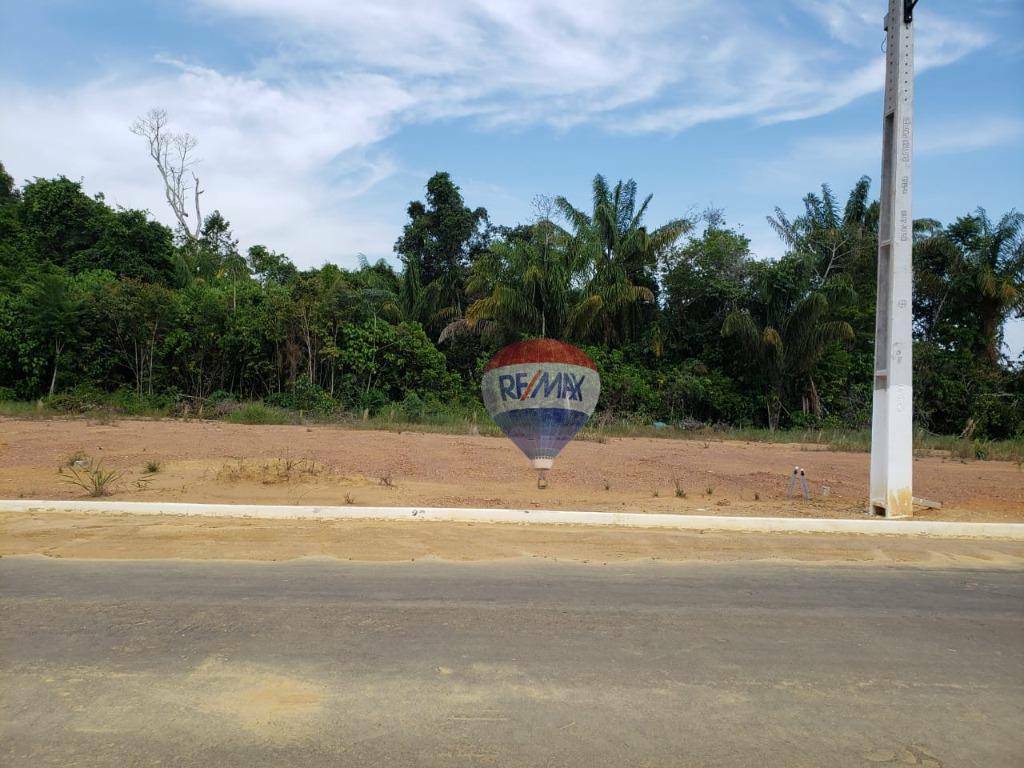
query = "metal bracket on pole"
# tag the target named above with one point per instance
(908, 11)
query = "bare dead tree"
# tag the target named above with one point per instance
(174, 155)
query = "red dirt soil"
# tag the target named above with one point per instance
(322, 464)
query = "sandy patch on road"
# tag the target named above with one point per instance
(57, 534)
(215, 462)
(263, 702)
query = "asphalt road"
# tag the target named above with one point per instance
(320, 663)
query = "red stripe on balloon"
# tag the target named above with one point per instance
(540, 351)
(529, 386)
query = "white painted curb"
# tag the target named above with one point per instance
(1014, 531)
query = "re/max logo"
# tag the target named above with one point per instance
(563, 385)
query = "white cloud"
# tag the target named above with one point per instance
(980, 133)
(846, 20)
(862, 152)
(292, 144)
(630, 65)
(281, 162)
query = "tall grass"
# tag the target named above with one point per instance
(19, 409)
(258, 413)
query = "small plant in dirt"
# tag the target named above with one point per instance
(349, 499)
(757, 496)
(386, 480)
(607, 485)
(710, 490)
(151, 468)
(93, 479)
(655, 494)
(680, 491)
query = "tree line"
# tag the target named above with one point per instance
(684, 324)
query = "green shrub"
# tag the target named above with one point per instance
(373, 400)
(380, 363)
(220, 396)
(130, 403)
(81, 399)
(259, 413)
(412, 407)
(304, 396)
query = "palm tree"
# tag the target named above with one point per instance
(617, 256)
(787, 346)
(412, 294)
(832, 240)
(523, 285)
(993, 260)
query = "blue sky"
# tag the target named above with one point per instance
(319, 120)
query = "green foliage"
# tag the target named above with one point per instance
(523, 285)
(438, 244)
(617, 255)
(786, 339)
(686, 392)
(67, 228)
(80, 399)
(304, 396)
(130, 403)
(383, 362)
(258, 413)
(102, 310)
(702, 280)
(270, 267)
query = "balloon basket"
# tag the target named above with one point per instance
(542, 466)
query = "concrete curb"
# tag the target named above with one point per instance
(1013, 531)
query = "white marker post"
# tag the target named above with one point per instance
(892, 421)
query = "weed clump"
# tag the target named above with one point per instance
(273, 472)
(258, 413)
(91, 478)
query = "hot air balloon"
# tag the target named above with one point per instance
(540, 392)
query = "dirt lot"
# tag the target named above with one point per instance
(217, 462)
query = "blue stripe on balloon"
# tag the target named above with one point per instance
(541, 432)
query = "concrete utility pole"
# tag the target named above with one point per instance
(892, 419)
